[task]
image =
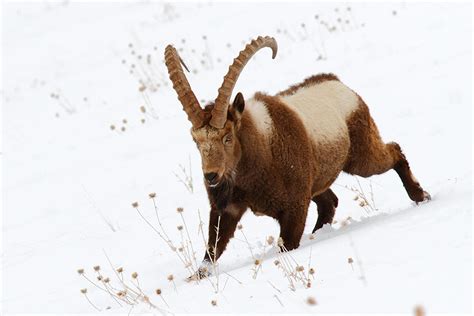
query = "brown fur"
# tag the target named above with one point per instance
(280, 175)
(308, 82)
(327, 203)
(369, 155)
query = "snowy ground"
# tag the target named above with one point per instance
(69, 180)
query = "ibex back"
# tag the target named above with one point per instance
(276, 154)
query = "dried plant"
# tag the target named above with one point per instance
(187, 176)
(311, 301)
(84, 291)
(123, 292)
(184, 251)
(293, 272)
(366, 202)
(160, 294)
(63, 102)
(419, 311)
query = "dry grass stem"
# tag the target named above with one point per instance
(84, 292)
(187, 177)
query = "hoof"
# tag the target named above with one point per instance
(426, 197)
(203, 272)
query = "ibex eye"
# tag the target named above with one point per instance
(227, 139)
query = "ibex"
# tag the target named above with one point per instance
(275, 154)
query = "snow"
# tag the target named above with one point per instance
(69, 180)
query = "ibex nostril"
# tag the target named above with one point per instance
(210, 177)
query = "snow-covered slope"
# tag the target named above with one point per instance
(69, 180)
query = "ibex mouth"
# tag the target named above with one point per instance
(212, 179)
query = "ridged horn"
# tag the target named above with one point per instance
(181, 86)
(219, 112)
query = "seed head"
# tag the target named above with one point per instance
(180, 227)
(124, 121)
(270, 240)
(112, 127)
(152, 195)
(239, 226)
(280, 242)
(121, 293)
(311, 300)
(257, 262)
(80, 271)
(356, 198)
(170, 277)
(311, 237)
(142, 120)
(106, 280)
(84, 291)
(179, 210)
(311, 271)
(97, 268)
(120, 270)
(214, 303)
(180, 249)
(99, 278)
(419, 311)
(308, 285)
(158, 291)
(135, 204)
(299, 268)
(143, 109)
(134, 275)
(123, 129)
(349, 260)
(276, 262)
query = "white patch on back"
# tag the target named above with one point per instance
(323, 108)
(260, 116)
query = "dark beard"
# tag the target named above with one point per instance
(221, 195)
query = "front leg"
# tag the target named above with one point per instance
(222, 227)
(226, 223)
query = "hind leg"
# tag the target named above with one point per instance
(327, 203)
(369, 155)
(411, 184)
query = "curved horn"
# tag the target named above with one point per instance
(219, 113)
(181, 86)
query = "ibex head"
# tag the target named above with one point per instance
(215, 128)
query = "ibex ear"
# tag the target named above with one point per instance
(239, 103)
